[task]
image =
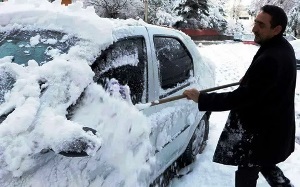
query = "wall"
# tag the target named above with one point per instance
(205, 34)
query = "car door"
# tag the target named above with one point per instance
(133, 60)
(173, 72)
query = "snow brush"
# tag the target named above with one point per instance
(166, 100)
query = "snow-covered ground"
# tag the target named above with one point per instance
(231, 62)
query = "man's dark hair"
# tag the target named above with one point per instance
(278, 15)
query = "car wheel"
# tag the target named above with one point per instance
(196, 144)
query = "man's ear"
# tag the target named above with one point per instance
(277, 29)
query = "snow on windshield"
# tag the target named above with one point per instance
(36, 128)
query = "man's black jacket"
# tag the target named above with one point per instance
(260, 129)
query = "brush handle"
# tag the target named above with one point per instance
(169, 99)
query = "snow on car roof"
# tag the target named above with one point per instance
(38, 120)
(73, 18)
(70, 19)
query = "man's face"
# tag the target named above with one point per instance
(262, 28)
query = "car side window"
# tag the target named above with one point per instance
(126, 62)
(175, 62)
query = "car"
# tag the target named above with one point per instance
(237, 36)
(296, 46)
(60, 66)
(248, 38)
(289, 37)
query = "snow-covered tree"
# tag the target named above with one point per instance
(161, 12)
(192, 12)
(294, 21)
(291, 7)
(117, 8)
(287, 5)
(188, 13)
(176, 13)
(234, 9)
(189, 9)
(216, 18)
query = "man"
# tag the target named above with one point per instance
(260, 130)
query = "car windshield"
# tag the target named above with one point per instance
(40, 46)
(23, 46)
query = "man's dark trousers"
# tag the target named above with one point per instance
(247, 176)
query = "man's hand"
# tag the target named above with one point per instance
(192, 94)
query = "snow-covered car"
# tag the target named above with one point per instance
(74, 84)
(248, 38)
(289, 37)
(296, 46)
(237, 36)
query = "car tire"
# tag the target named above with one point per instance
(197, 143)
